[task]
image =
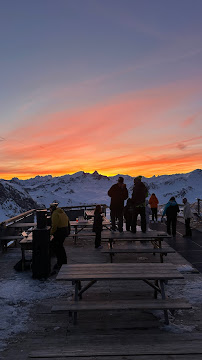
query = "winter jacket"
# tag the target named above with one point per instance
(153, 201)
(139, 194)
(171, 209)
(118, 195)
(97, 224)
(187, 211)
(59, 220)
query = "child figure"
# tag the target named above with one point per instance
(97, 226)
(147, 213)
(128, 213)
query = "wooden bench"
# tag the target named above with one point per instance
(139, 304)
(144, 250)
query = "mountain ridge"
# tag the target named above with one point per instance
(17, 195)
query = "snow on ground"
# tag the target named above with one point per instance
(18, 295)
(188, 290)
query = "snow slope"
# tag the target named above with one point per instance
(84, 188)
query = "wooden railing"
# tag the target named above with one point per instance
(24, 217)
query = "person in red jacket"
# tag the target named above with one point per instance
(153, 202)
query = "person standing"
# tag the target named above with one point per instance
(60, 229)
(187, 217)
(153, 202)
(97, 226)
(139, 195)
(148, 212)
(128, 213)
(118, 193)
(171, 210)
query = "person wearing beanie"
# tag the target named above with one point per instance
(118, 193)
(171, 210)
(139, 195)
(60, 229)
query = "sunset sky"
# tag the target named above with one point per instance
(107, 85)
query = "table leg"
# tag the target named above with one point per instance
(77, 282)
(75, 232)
(155, 290)
(110, 243)
(163, 298)
(23, 259)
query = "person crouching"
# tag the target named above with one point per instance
(97, 226)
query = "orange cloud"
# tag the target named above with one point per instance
(134, 130)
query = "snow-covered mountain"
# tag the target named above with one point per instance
(17, 195)
(14, 200)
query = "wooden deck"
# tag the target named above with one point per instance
(138, 335)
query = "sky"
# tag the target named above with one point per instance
(107, 85)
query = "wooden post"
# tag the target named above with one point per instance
(198, 207)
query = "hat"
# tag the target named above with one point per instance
(138, 178)
(53, 205)
(121, 179)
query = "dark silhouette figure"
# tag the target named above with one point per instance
(171, 210)
(97, 226)
(118, 193)
(187, 217)
(128, 213)
(139, 195)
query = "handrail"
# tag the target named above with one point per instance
(83, 206)
(18, 217)
(25, 214)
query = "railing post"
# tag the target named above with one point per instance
(198, 207)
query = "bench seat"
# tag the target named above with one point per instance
(136, 304)
(136, 250)
(139, 304)
(4, 240)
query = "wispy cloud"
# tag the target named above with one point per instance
(189, 120)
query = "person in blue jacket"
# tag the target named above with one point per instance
(171, 210)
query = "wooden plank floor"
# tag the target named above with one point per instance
(120, 335)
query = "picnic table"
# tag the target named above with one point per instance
(153, 274)
(79, 226)
(153, 237)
